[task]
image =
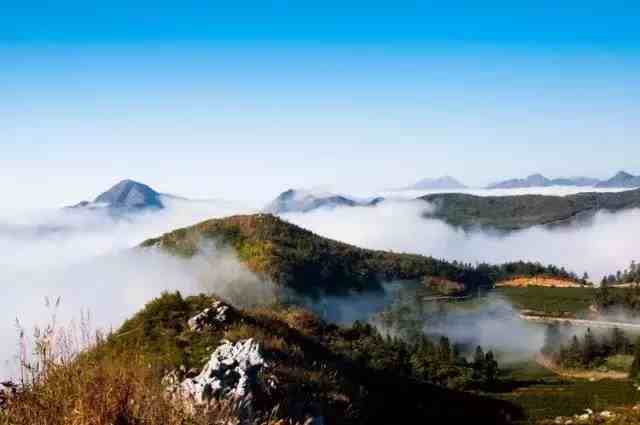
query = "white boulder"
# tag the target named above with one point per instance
(231, 372)
(218, 313)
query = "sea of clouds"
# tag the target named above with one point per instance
(605, 245)
(87, 258)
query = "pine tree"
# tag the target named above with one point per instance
(619, 342)
(552, 339)
(490, 367)
(589, 348)
(574, 353)
(444, 350)
(479, 364)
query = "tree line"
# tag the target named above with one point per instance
(628, 275)
(435, 361)
(625, 300)
(588, 351)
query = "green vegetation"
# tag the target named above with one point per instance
(507, 213)
(291, 256)
(634, 370)
(347, 373)
(587, 352)
(558, 302)
(619, 362)
(541, 394)
(622, 277)
(610, 299)
(517, 269)
(294, 257)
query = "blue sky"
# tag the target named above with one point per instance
(211, 99)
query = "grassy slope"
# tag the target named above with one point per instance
(350, 374)
(519, 212)
(552, 301)
(292, 256)
(543, 395)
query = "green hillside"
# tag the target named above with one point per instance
(294, 257)
(298, 258)
(522, 211)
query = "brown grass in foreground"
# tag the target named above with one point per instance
(122, 390)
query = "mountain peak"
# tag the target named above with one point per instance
(536, 176)
(622, 179)
(623, 175)
(130, 194)
(439, 183)
(537, 180)
(293, 200)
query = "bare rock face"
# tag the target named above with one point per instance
(230, 373)
(219, 313)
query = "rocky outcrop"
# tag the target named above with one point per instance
(231, 373)
(218, 314)
(588, 417)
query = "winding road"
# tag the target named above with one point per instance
(605, 324)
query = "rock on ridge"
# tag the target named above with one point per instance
(230, 373)
(219, 313)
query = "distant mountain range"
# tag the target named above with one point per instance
(507, 213)
(622, 179)
(127, 195)
(303, 201)
(440, 183)
(538, 180)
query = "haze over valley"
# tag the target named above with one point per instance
(86, 255)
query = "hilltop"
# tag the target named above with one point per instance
(440, 183)
(304, 201)
(292, 256)
(621, 180)
(517, 212)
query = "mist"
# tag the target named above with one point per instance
(88, 260)
(605, 245)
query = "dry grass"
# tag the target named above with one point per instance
(123, 390)
(94, 392)
(71, 380)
